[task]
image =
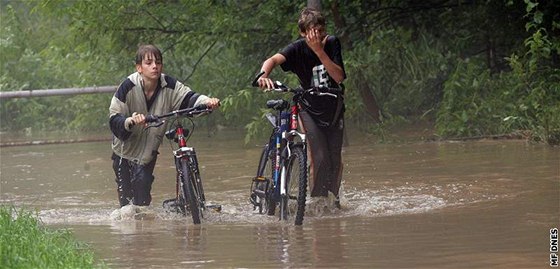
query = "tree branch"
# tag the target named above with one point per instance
(200, 59)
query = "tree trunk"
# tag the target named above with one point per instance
(368, 98)
(315, 4)
(340, 26)
(366, 92)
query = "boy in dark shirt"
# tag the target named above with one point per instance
(316, 59)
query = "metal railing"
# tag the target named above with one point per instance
(57, 92)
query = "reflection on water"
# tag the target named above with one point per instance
(484, 204)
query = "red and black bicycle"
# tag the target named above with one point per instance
(189, 195)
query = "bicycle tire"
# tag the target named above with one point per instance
(293, 204)
(180, 204)
(188, 191)
(198, 181)
(266, 171)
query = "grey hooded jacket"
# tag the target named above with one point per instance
(136, 143)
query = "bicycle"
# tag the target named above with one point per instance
(189, 193)
(282, 171)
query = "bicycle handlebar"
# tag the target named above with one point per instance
(318, 91)
(187, 112)
(256, 80)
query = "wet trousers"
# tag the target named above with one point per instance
(134, 181)
(325, 155)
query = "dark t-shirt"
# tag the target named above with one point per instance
(303, 62)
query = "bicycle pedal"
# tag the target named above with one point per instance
(259, 193)
(253, 199)
(216, 208)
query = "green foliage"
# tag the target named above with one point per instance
(405, 75)
(35, 54)
(527, 98)
(477, 103)
(475, 67)
(470, 103)
(26, 243)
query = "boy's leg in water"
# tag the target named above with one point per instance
(142, 179)
(335, 141)
(318, 150)
(122, 173)
(335, 137)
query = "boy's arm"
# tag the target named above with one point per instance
(334, 70)
(211, 102)
(119, 123)
(267, 67)
(317, 45)
(189, 98)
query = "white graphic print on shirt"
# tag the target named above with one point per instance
(320, 76)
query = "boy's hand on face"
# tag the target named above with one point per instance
(315, 39)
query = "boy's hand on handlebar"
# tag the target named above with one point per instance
(265, 83)
(138, 118)
(213, 103)
(135, 119)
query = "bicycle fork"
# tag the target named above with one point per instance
(288, 133)
(283, 194)
(278, 173)
(189, 155)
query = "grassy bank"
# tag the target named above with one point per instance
(26, 243)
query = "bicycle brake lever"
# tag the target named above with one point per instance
(155, 125)
(255, 81)
(325, 94)
(278, 86)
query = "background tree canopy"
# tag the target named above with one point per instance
(472, 68)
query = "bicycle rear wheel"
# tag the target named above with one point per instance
(293, 204)
(188, 191)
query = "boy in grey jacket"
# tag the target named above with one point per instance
(135, 149)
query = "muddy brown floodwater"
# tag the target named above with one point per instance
(478, 204)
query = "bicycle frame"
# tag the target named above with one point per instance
(189, 154)
(289, 147)
(282, 137)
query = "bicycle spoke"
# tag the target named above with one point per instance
(296, 185)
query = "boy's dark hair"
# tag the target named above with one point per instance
(310, 17)
(148, 49)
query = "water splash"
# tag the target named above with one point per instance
(132, 212)
(237, 209)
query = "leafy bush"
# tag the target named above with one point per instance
(525, 98)
(464, 65)
(26, 243)
(404, 74)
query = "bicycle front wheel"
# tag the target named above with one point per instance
(293, 204)
(265, 171)
(188, 191)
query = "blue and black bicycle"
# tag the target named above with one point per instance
(280, 186)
